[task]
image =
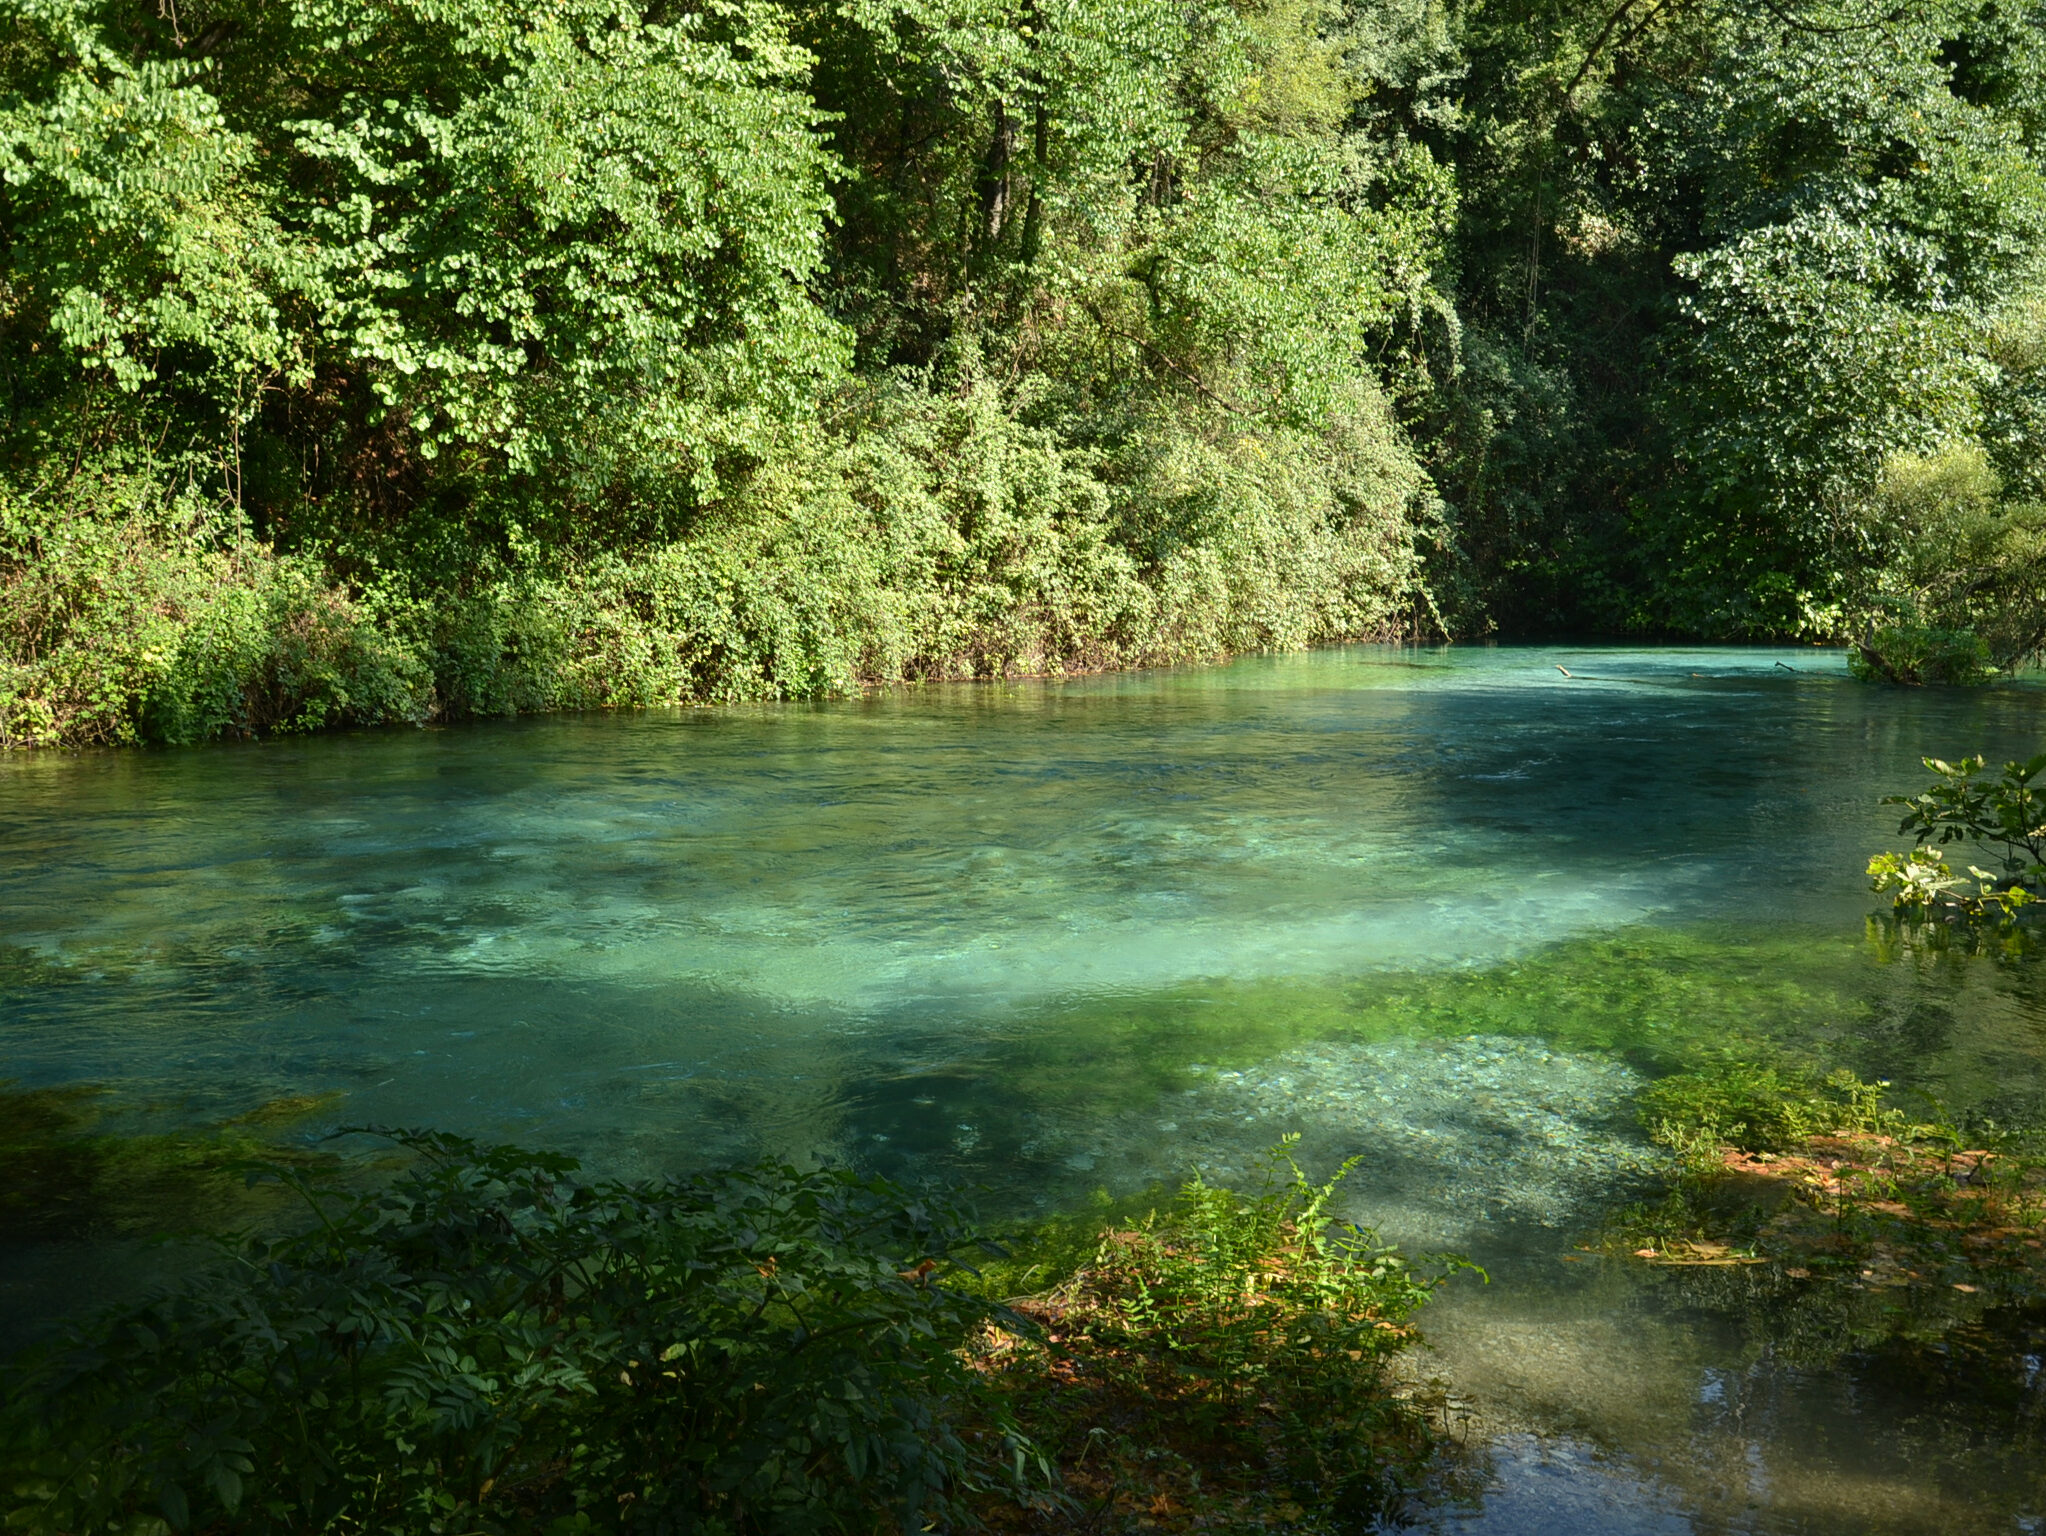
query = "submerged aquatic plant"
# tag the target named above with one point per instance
(1829, 1178)
(65, 1174)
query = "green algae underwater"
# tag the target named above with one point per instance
(1648, 1003)
(1064, 943)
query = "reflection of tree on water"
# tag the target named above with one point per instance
(1759, 1403)
(1956, 1009)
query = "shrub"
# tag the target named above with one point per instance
(929, 533)
(492, 1343)
(129, 614)
(1963, 596)
(1912, 654)
(1231, 1353)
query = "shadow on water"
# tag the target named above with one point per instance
(1494, 1108)
(1449, 911)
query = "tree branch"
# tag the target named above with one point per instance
(1165, 362)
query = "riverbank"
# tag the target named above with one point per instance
(933, 537)
(1449, 907)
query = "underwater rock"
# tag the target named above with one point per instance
(1452, 1134)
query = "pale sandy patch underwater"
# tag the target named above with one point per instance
(1440, 909)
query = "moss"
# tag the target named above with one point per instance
(64, 1174)
(1666, 1000)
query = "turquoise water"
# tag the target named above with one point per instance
(1445, 908)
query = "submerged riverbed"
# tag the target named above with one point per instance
(1445, 909)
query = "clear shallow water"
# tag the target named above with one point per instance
(1442, 908)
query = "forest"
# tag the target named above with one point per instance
(406, 360)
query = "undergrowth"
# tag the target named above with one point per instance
(922, 536)
(491, 1342)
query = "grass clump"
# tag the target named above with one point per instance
(1226, 1358)
(491, 1342)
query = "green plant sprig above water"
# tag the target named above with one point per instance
(2007, 814)
(1921, 881)
(2004, 817)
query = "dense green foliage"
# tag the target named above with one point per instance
(372, 364)
(493, 1342)
(1735, 261)
(386, 362)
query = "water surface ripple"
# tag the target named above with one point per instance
(1442, 908)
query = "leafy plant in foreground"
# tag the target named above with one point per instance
(1229, 1353)
(2005, 816)
(491, 1343)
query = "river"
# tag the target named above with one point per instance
(1446, 909)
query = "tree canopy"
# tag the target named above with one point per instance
(383, 358)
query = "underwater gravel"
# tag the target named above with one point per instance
(1453, 1134)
